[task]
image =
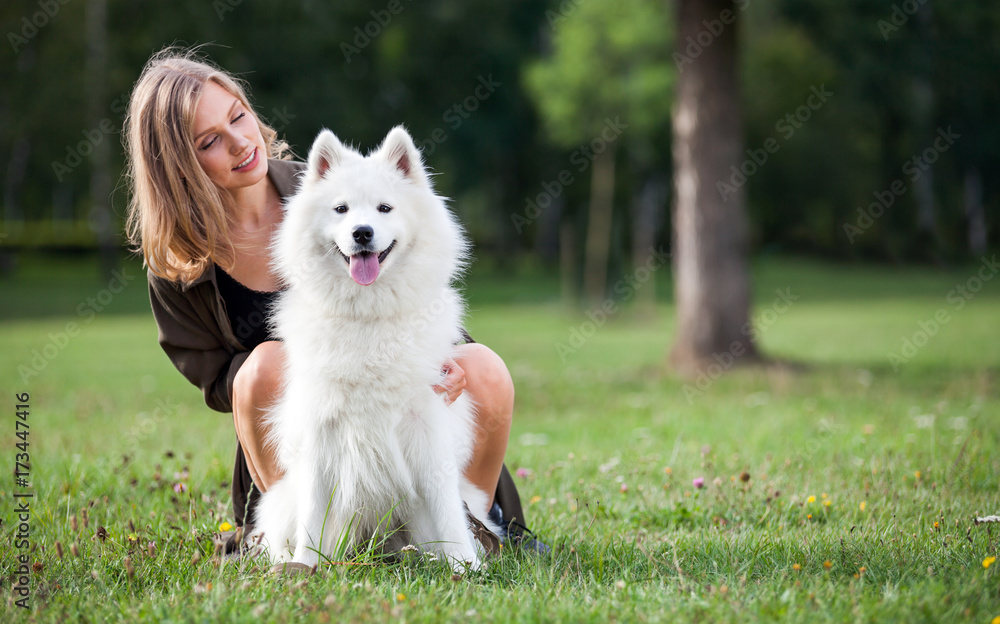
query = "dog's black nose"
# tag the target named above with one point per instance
(363, 234)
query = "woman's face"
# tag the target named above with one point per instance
(227, 140)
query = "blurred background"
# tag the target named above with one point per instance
(527, 108)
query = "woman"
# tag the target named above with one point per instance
(208, 178)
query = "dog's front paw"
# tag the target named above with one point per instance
(306, 556)
(275, 555)
(465, 562)
(462, 566)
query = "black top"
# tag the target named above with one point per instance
(247, 310)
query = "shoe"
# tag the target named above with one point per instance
(516, 534)
(234, 541)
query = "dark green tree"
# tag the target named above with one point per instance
(607, 80)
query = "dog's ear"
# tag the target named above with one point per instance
(398, 148)
(326, 153)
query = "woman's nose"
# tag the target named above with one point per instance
(237, 143)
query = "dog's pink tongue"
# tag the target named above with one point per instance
(364, 268)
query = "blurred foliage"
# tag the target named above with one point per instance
(607, 60)
(898, 72)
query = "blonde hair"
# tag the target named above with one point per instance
(178, 218)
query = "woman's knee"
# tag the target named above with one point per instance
(259, 379)
(488, 380)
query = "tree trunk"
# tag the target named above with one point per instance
(546, 244)
(648, 205)
(17, 167)
(568, 264)
(712, 281)
(973, 187)
(100, 161)
(923, 115)
(602, 191)
(504, 244)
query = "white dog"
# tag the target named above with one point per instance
(368, 253)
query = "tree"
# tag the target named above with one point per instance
(712, 282)
(608, 75)
(100, 175)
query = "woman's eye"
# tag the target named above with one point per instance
(384, 208)
(239, 117)
(208, 145)
(341, 209)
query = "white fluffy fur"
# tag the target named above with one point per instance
(359, 432)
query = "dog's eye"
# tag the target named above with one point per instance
(384, 208)
(342, 208)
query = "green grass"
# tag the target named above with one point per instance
(610, 440)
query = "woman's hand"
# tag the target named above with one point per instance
(453, 383)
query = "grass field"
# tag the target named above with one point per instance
(842, 490)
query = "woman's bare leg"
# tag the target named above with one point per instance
(256, 387)
(489, 384)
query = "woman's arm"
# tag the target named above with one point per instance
(190, 335)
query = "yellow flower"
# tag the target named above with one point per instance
(862, 506)
(400, 597)
(225, 526)
(917, 474)
(827, 564)
(996, 620)
(827, 502)
(987, 562)
(535, 499)
(811, 499)
(809, 517)
(823, 495)
(796, 567)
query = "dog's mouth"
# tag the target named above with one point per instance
(364, 265)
